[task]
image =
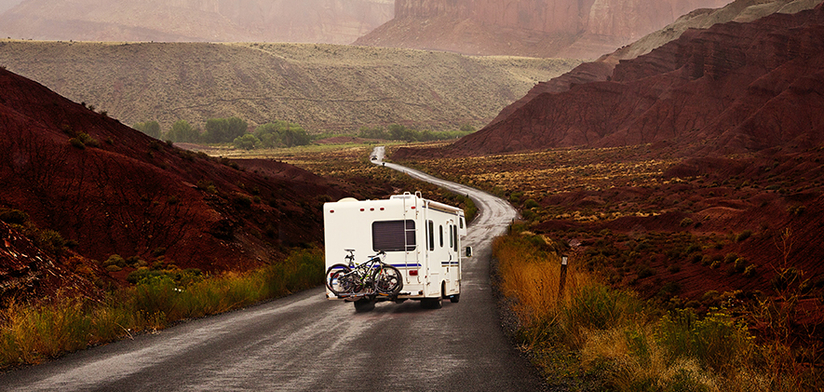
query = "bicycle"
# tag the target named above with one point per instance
(371, 278)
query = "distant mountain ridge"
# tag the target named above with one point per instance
(541, 28)
(317, 21)
(331, 88)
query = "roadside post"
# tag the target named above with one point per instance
(564, 260)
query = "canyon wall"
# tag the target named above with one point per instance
(735, 87)
(541, 28)
(318, 21)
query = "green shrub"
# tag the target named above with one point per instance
(600, 307)
(15, 217)
(530, 203)
(116, 260)
(242, 201)
(51, 241)
(247, 142)
(743, 236)
(87, 140)
(717, 341)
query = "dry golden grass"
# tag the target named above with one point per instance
(30, 333)
(621, 343)
(333, 88)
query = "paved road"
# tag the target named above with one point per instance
(305, 343)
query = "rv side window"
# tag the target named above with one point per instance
(451, 229)
(393, 236)
(462, 222)
(455, 235)
(430, 234)
(441, 227)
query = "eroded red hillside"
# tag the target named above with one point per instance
(733, 87)
(114, 190)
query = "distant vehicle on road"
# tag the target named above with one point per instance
(417, 237)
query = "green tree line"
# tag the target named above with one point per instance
(279, 133)
(400, 132)
(217, 130)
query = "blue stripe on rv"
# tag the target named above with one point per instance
(449, 263)
(409, 265)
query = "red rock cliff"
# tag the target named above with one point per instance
(731, 88)
(569, 28)
(321, 21)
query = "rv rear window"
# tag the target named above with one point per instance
(393, 236)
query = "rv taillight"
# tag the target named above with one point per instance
(413, 273)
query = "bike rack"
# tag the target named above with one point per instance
(357, 296)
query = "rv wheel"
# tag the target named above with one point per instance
(455, 298)
(364, 305)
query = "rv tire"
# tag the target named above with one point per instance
(455, 298)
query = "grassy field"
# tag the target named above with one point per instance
(325, 88)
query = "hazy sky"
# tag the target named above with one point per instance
(6, 4)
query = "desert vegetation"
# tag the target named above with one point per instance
(161, 295)
(702, 272)
(595, 336)
(282, 134)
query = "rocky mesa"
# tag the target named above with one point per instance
(319, 21)
(541, 28)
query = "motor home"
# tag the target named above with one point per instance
(420, 237)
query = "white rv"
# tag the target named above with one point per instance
(421, 238)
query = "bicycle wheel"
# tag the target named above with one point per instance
(388, 280)
(339, 280)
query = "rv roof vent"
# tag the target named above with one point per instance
(347, 199)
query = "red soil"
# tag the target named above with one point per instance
(126, 193)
